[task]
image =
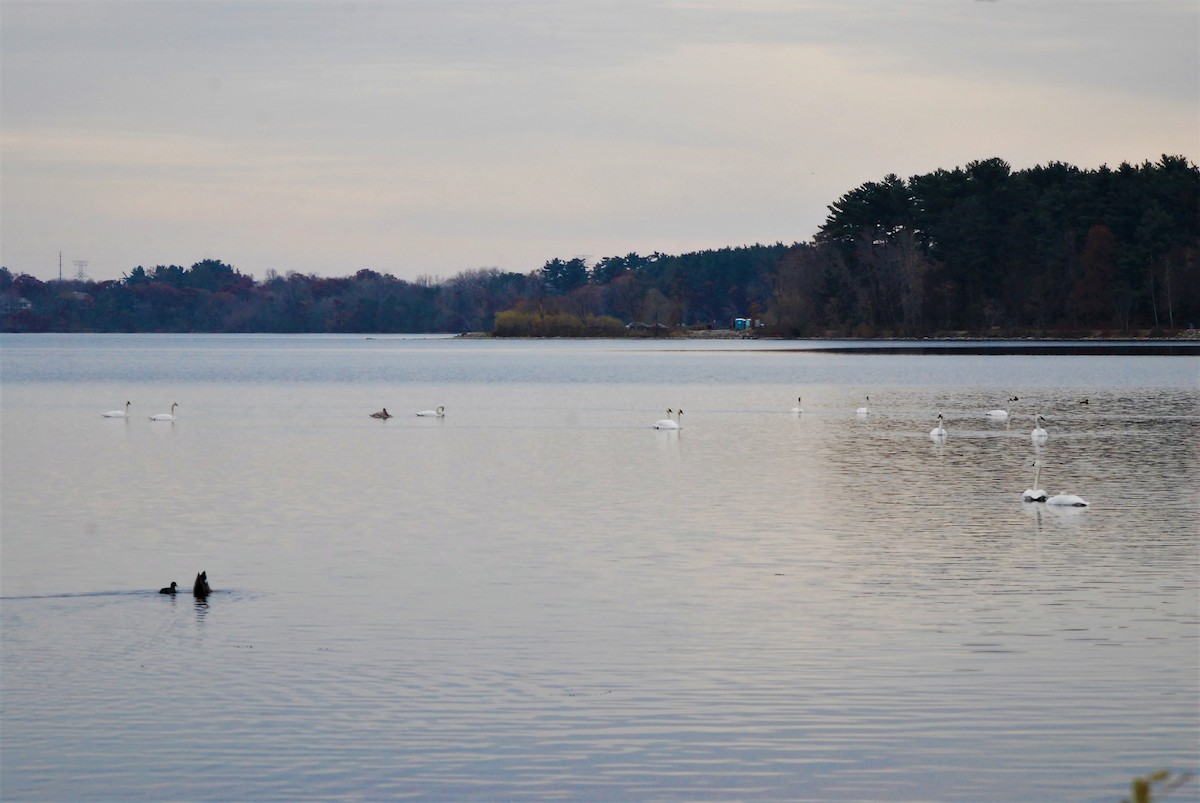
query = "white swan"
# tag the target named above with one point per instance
(117, 413)
(866, 409)
(1066, 500)
(668, 422)
(797, 408)
(438, 413)
(1035, 494)
(165, 416)
(1060, 499)
(1001, 415)
(938, 433)
(1039, 435)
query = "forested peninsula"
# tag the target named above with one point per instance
(977, 251)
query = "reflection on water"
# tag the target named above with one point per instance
(539, 595)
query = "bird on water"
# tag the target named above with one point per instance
(668, 422)
(939, 432)
(201, 588)
(1001, 415)
(165, 416)
(117, 413)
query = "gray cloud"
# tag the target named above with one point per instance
(432, 137)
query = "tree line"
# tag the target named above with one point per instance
(978, 250)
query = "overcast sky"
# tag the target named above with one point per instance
(429, 138)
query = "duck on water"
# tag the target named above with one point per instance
(201, 588)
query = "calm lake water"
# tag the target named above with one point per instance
(539, 596)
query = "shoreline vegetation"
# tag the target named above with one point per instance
(980, 251)
(1142, 343)
(1142, 336)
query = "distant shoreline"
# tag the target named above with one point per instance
(1181, 346)
(1168, 348)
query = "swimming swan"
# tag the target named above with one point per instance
(165, 416)
(1001, 415)
(1035, 494)
(939, 432)
(797, 408)
(117, 413)
(1039, 435)
(1058, 500)
(169, 589)
(1066, 500)
(668, 422)
(865, 410)
(381, 414)
(438, 413)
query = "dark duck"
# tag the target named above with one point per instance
(169, 589)
(201, 588)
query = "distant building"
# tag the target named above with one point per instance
(10, 305)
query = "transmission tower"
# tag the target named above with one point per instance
(80, 269)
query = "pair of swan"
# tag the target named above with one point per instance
(125, 414)
(440, 412)
(1038, 435)
(1036, 494)
(668, 422)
